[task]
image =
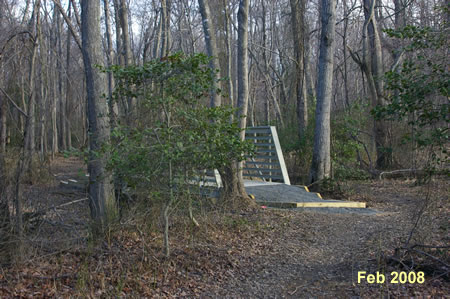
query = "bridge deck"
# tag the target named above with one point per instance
(266, 166)
(280, 195)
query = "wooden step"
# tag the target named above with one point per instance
(315, 204)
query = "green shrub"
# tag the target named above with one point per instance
(175, 135)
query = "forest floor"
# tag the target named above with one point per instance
(259, 253)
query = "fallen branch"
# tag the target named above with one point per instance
(428, 255)
(414, 172)
(429, 246)
(31, 216)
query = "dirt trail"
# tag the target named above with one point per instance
(267, 253)
(320, 254)
(322, 260)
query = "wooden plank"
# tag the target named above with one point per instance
(275, 177)
(258, 144)
(276, 170)
(262, 163)
(317, 204)
(205, 179)
(253, 130)
(280, 155)
(262, 157)
(266, 151)
(259, 127)
(218, 178)
(259, 137)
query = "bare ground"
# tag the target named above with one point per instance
(263, 253)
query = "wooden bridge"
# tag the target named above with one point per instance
(267, 179)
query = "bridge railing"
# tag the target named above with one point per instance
(267, 163)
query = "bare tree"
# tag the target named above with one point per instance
(321, 162)
(26, 156)
(101, 196)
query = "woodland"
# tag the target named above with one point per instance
(110, 109)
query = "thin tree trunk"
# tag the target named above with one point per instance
(211, 49)
(101, 195)
(69, 22)
(157, 44)
(114, 109)
(235, 173)
(228, 30)
(148, 38)
(119, 39)
(26, 155)
(164, 29)
(266, 66)
(5, 220)
(321, 161)
(58, 88)
(298, 8)
(62, 99)
(373, 67)
(127, 54)
(65, 116)
(344, 48)
(3, 107)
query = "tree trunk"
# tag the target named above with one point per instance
(127, 54)
(102, 201)
(266, 68)
(3, 107)
(228, 33)
(65, 114)
(113, 108)
(26, 155)
(321, 162)
(373, 67)
(157, 42)
(30, 123)
(237, 183)
(62, 98)
(57, 84)
(344, 48)
(298, 8)
(400, 14)
(165, 28)
(5, 220)
(211, 49)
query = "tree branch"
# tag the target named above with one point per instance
(68, 22)
(13, 103)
